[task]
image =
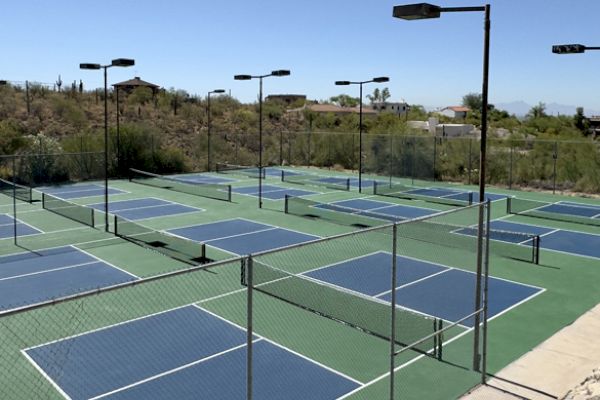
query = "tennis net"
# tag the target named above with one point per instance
(249, 171)
(565, 211)
(368, 314)
(436, 229)
(75, 212)
(315, 180)
(210, 190)
(175, 247)
(11, 189)
(341, 215)
(413, 193)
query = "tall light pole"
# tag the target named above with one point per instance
(118, 62)
(279, 72)
(427, 11)
(380, 79)
(209, 124)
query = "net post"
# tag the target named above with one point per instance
(508, 205)
(393, 309)
(93, 218)
(486, 275)
(229, 193)
(536, 249)
(282, 176)
(470, 196)
(115, 226)
(348, 184)
(440, 336)
(374, 187)
(249, 292)
(203, 252)
(285, 206)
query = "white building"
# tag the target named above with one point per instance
(456, 112)
(395, 108)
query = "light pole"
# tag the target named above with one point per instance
(380, 79)
(209, 124)
(279, 72)
(427, 11)
(118, 62)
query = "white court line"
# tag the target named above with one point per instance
(105, 262)
(172, 371)
(46, 271)
(45, 375)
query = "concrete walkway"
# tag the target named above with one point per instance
(553, 368)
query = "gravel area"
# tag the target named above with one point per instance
(589, 389)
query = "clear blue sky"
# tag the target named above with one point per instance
(198, 45)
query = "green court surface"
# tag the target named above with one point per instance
(568, 286)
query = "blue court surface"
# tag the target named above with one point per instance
(242, 237)
(579, 243)
(148, 207)
(455, 194)
(432, 289)
(77, 191)
(7, 229)
(33, 277)
(276, 172)
(378, 209)
(571, 208)
(271, 192)
(201, 178)
(185, 353)
(353, 181)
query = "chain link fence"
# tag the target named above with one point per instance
(323, 318)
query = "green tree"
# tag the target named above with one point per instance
(375, 97)
(385, 94)
(581, 122)
(343, 100)
(538, 111)
(473, 100)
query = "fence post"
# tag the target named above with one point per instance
(281, 147)
(249, 291)
(486, 275)
(329, 150)
(476, 331)
(14, 179)
(391, 158)
(414, 160)
(510, 168)
(393, 316)
(434, 155)
(554, 157)
(470, 163)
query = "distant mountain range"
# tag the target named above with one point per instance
(520, 109)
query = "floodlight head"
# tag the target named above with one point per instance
(3, 82)
(342, 83)
(242, 77)
(122, 62)
(89, 66)
(568, 48)
(218, 91)
(280, 72)
(381, 79)
(417, 11)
